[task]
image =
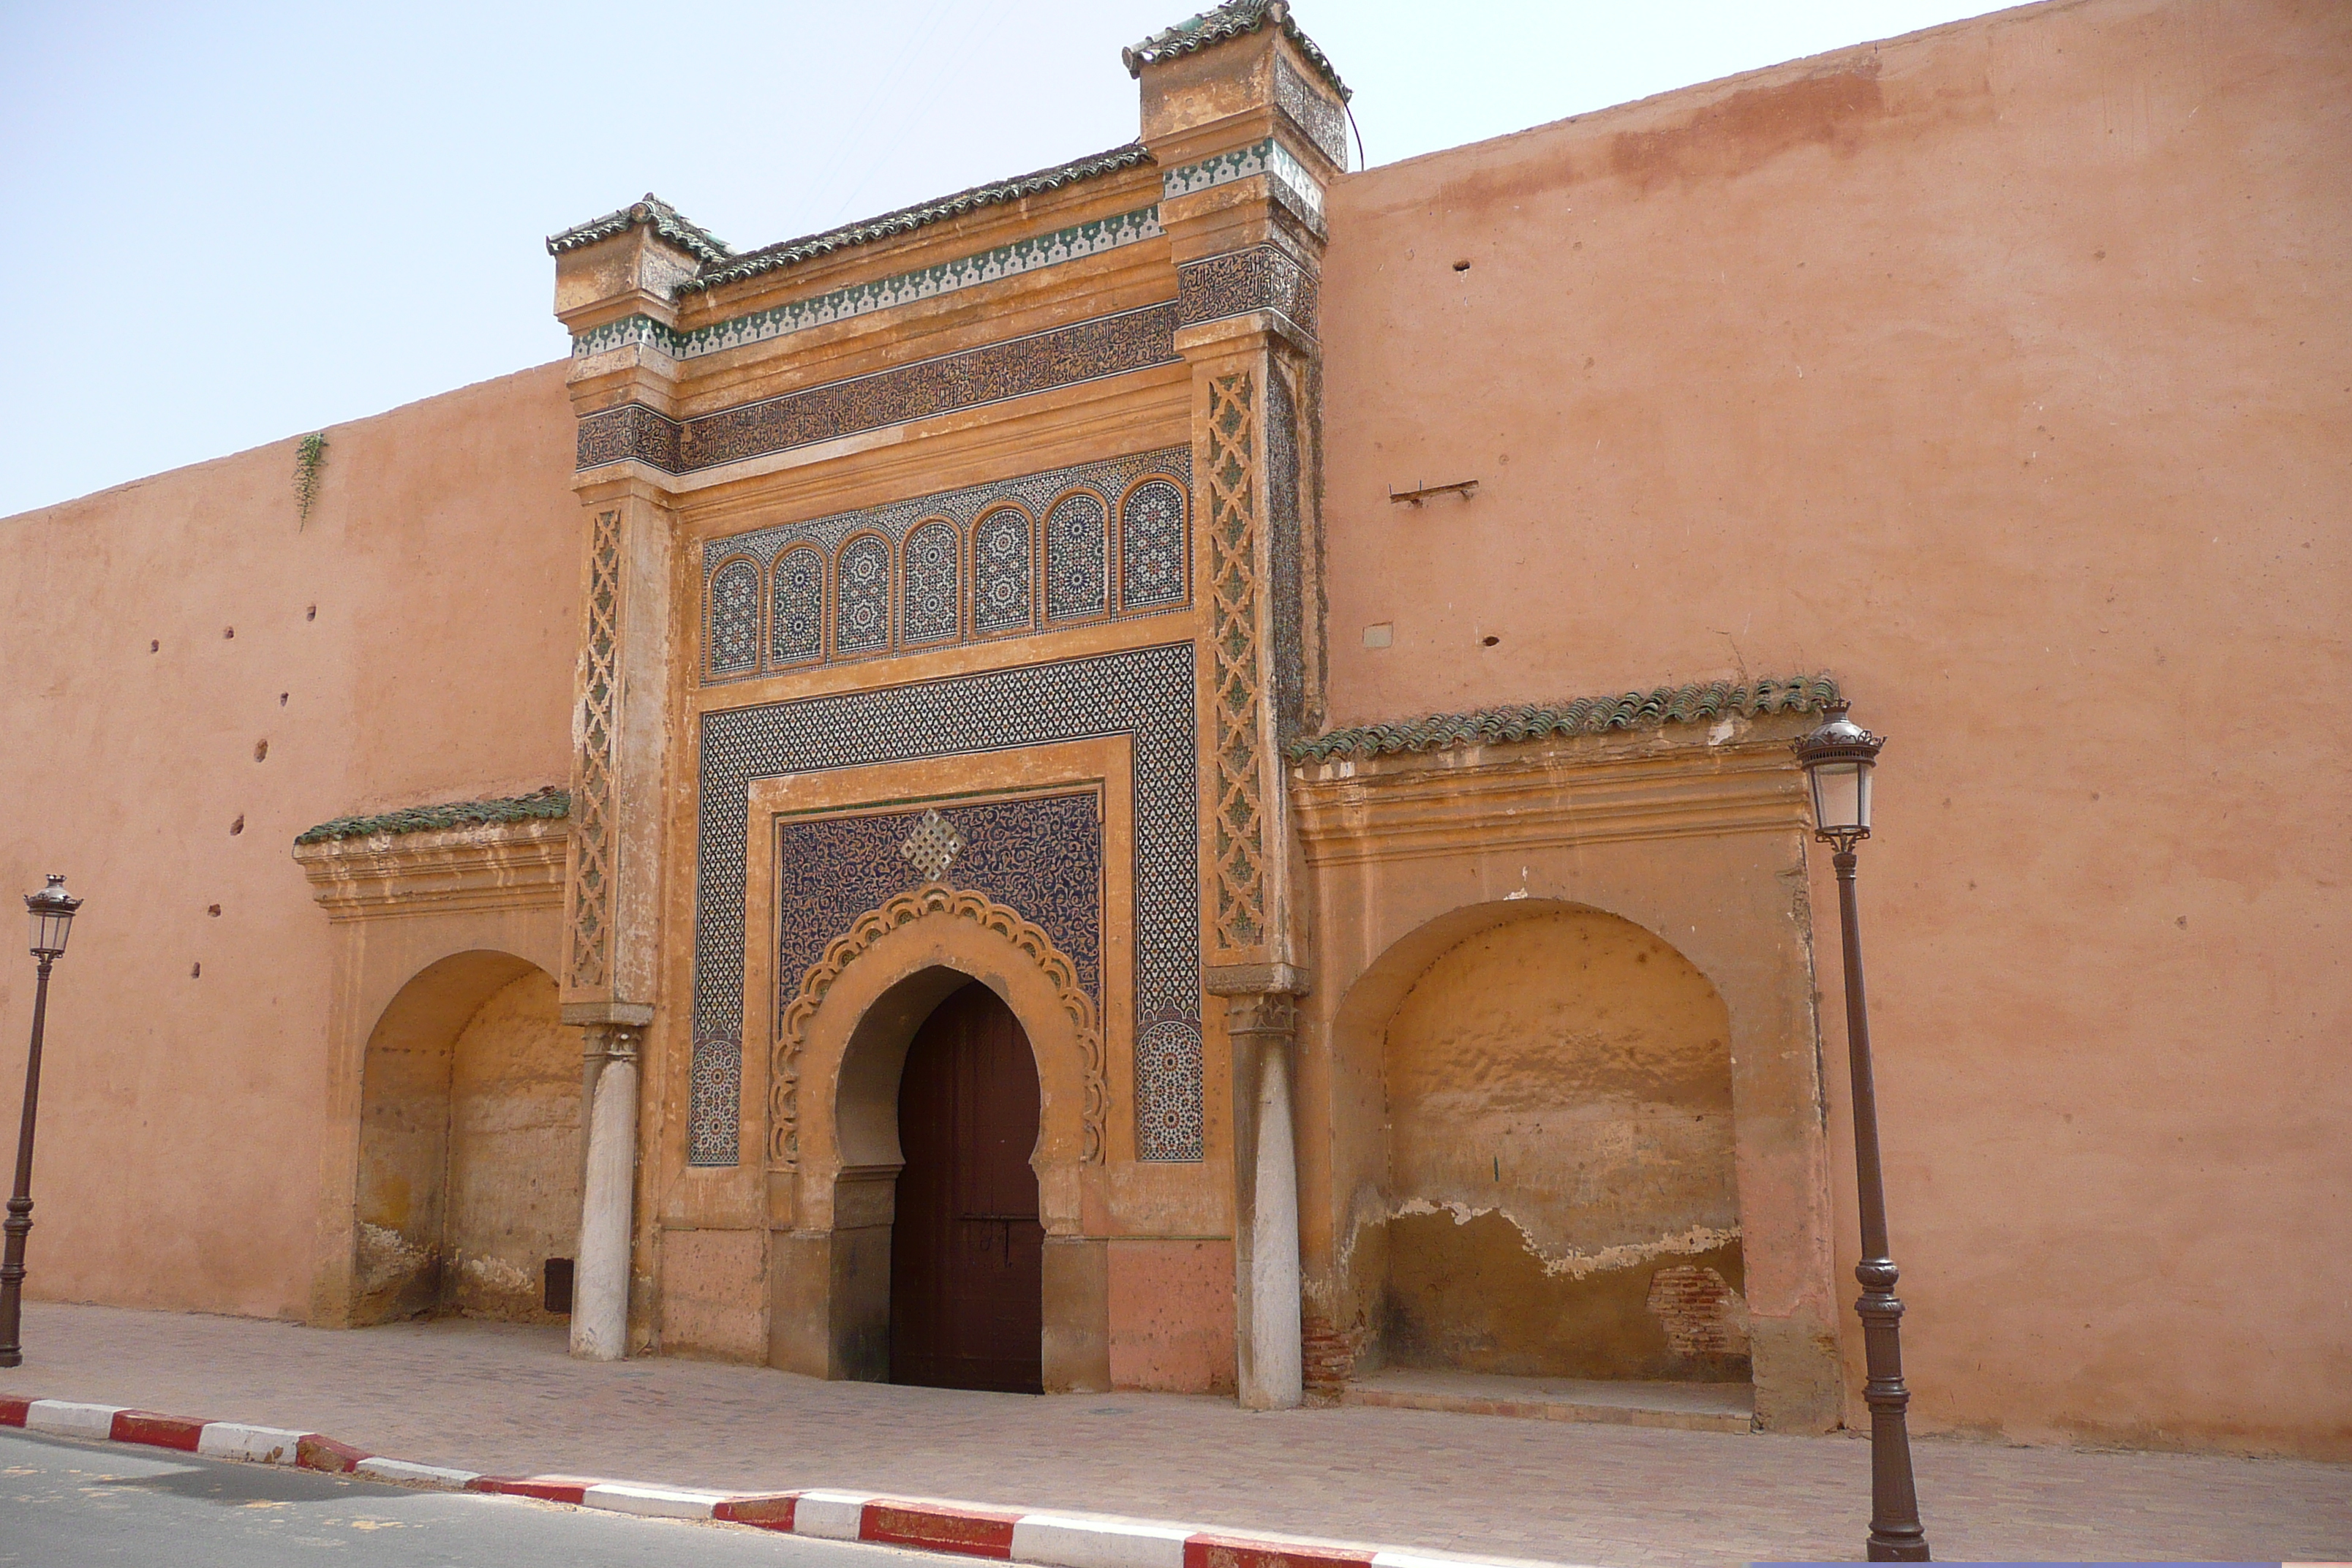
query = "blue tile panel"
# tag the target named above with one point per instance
(734, 626)
(982, 535)
(1041, 856)
(1143, 694)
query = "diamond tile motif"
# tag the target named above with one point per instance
(933, 847)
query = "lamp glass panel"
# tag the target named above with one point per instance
(49, 930)
(1841, 796)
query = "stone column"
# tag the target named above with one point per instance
(600, 1293)
(613, 281)
(1244, 121)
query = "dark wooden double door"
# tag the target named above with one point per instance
(967, 1252)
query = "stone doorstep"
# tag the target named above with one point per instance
(1054, 1540)
(1686, 1406)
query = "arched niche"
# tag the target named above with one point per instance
(1544, 1110)
(468, 1175)
(845, 1049)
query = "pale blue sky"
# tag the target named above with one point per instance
(237, 222)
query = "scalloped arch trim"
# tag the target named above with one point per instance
(905, 909)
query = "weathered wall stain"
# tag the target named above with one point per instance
(1747, 129)
(1559, 1118)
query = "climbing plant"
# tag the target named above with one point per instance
(309, 457)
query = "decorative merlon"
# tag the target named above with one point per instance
(653, 213)
(1230, 20)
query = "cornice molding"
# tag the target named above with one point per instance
(515, 865)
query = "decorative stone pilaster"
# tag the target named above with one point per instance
(620, 268)
(1244, 90)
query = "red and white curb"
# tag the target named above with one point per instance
(971, 1530)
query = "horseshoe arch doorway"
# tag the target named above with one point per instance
(967, 1247)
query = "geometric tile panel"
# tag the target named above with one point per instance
(861, 616)
(1145, 694)
(1077, 540)
(1152, 538)
(1000, 572)
(735, 617)
(937, 554)
(934, 598)
(799, 622)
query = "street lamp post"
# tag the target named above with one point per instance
(1837, 758)
(52, 910)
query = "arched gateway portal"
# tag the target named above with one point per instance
(967, 1249)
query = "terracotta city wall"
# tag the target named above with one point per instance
(197, 675)
(1999, 373)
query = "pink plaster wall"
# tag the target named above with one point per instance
(181, 1116)
(1172, 1315)
(2005, 371)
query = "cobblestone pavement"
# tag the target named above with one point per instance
(500, 1398)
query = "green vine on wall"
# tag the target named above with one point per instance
(309, 457)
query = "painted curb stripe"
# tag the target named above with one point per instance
(414, 1474)
(974, 1533)
(652, 1502)
(157, 1431)
(1054, 1540)
(546, 1488)
(64, 1419)
(1063, 1542)
(768, 1511)
(252, 1445)
(313, 1452)
(1207, 1551)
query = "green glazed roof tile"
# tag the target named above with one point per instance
(700, 243)
(550, 803)
(1229, 20)
(1584, 716)
(905, 220)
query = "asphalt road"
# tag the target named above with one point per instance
(63, 1505)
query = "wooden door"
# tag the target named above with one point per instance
(967, 1252)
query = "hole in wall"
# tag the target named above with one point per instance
(196, 972)
(555, 1286)
(282, 697)
(1488, 642)
(213, 910)
(238, 826)
(227, 632)
(1461, 267)
(311, 613)
(261, 750)
(154, 644)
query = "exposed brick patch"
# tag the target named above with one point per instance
(1700, 1311)
(1330, 1352)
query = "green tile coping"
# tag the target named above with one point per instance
(664, 220)
(1229, 20)
(905, 220)
(1584, 716)
(550, 804)
(1089, 238)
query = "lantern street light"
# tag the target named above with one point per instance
(52, 910)
(1837, 759)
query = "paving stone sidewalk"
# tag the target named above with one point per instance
(502, 1398)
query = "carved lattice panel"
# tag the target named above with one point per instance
(1237, 867)
(592, 802)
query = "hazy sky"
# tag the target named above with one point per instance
(236, 224)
